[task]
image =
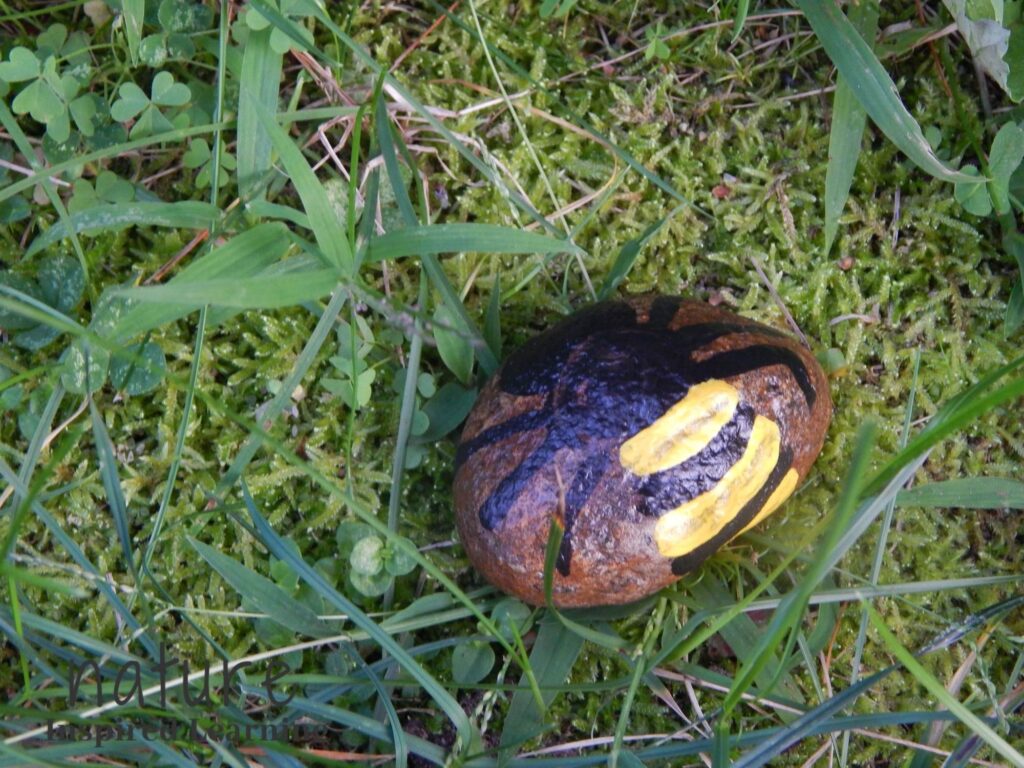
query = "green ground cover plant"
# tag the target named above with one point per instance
(258, 258)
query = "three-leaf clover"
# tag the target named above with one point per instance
(199, 156)
(656, 47)
(55, 74)
(135, 369)
(108, 188)
(133, 102)
(280, 41)
(178, 19)
(354, 376)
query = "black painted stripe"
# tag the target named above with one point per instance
(494, 511)
(671, 488)
(536, 366)
(523, 422)
(736, 361)
(582, 485)
(663, 311)
(690, 561)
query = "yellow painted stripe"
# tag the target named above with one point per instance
(782, 492)
(687, 527)
(683, 430)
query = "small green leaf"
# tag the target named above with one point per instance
(397, 561)
(111, 188)
(981, 23)
(9, 319)
(168, 93)
(420, 423)
(974, 197)
(179, 46)
(255, 20)
(425, 384)
(184, 16)
(472, 662)
(832, 360)
(1004, 158)
(21, 65)
(59, 127)
(511, 617)
(61, 282)
(153, 50)
(83, 110)
(138, 369)
(197, 154)
(368, 556)
(76, 375)
(364, 387)
(371, 585)
(52, 40)
(1014, 310)
(14, 209)
(453, 346)
(150, 122)
(131, 102)
(350, 533)
(39, 100)
(446, 410)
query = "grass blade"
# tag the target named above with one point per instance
(329, 232)
(792, 607)
(955, 414)
(848, 121)
(873, 87)
(966, 493)
(260, 82)
(463, 238)
(184, 214)
(267, 596)
(742, 9)
(552, 658)
(112, 485)
(821, 718)
(267, 291)
(132, 14)
(243, 256)
(979, 727)
(555, 534)
(273, 409)
(434, 689)
(628, 255)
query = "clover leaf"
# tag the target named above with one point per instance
(21, 65)
(108, 188)
(138, 369)
(51, 96)
(59, 283)
(135, 104)
(280, 41)
(199, 156)
(373, 565)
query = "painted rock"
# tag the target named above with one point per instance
(655, 429)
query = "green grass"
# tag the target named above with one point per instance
(305, 362)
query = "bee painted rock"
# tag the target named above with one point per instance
(655, 429)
